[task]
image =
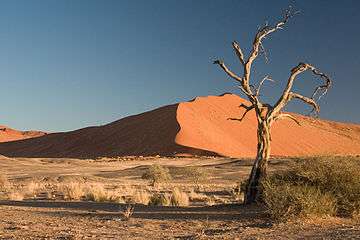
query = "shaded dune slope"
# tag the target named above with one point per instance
(198, 127)
(149, 133)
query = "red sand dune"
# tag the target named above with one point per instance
(198, 127)
(8, 134)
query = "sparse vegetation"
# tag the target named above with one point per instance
(97, 193)
(160, 199)
(157, 174)
(179, 198)
(15, 196)
(128, 212)
(33, 188)
(195, 174)
(315, 186)
(142, 197)
(4, 183)
(73, 190)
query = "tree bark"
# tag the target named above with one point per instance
(258, 172)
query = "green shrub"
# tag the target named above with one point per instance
(157, 174)
(284, 201)
(314, 186)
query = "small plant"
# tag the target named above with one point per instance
(73, 190)
(157, 174)
(196, 174)
(128, 212)
(179, 198)
(159, 199)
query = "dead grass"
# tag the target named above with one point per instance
(4, 183)
(160, 199)
(15, 196)
(33, 188)
(72, 190)
(142, 197)
(179, 198)
(97, 193)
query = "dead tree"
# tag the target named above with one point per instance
(267, 114)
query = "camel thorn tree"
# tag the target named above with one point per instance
(267, 114)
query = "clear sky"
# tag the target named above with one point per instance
(70, 64)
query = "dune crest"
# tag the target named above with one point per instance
(197, 127)
(8, 134)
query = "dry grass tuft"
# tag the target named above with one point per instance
(179, 198)
(4, 183)
(142, 197)
(33, 188)
(97, 193)
(15, 196)
(159, 199)
(72, 190)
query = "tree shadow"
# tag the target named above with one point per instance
(252, 214)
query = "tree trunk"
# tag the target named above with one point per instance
(258, 172)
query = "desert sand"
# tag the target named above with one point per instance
(47, 216)
(197, 127)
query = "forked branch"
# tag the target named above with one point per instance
(247, 109)
(288, 95)
(266, 30)
(238, 52)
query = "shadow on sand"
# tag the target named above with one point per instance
(112, 210)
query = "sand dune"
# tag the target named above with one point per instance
(198, 127)
(8, 134)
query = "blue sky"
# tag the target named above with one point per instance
(70, 64)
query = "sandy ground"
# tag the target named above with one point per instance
(57, 219)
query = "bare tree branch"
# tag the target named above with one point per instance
(286, 115)
(228, 71)
(263, 51)
(247, 109)
(288, 95)
(323, 88)
(266, 30)
(307, 100)
(238, 52)
(266, 78)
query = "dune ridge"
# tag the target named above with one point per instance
(197, 127)
(8, 134)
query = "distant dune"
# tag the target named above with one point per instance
(198, 127)
(8, 134)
